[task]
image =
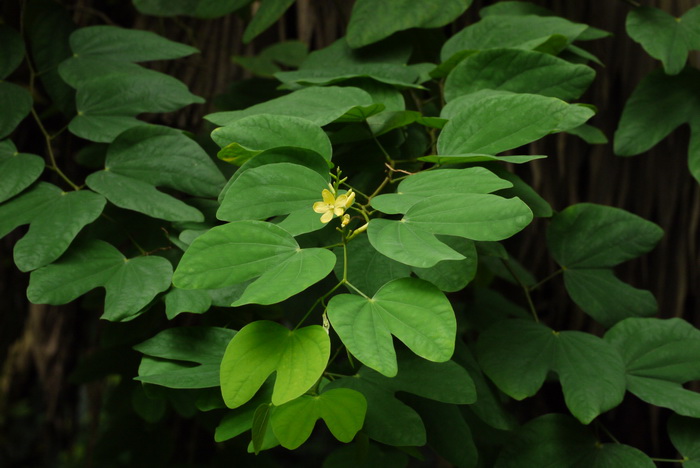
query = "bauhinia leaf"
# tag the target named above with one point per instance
(19, 170)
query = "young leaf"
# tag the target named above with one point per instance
(55, 218)
(19, 170)
(664, 37)
(319, 105)
(414, 311)
(260, 348)
(130, 283)
(342, 409)
(517, 355)
(587, 240)
(372, 21)
(557, 440)
(660, 355)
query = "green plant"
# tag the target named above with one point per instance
(369, 202)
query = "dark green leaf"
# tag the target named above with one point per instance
(11, 51)
(452, 275)
(195, 301)
(19, 170)
(130, 283)
(15, 102)
(685, 435)
(267, 13)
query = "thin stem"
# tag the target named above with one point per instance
(670, 460)
(317, 302)
(607, 432)
(556, 273)
(525, 289)
(350, 285)
(49, 148)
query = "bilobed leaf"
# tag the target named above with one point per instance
(130, 283)
(55, 218)
(685, 435)
(665, 37)
(414, 311)
(500, 123)
(267, 13)
(136, 195)
(264, 131)
(452, 275)
(178, 300)
(519, 71)
(371, 21)
(587, 240)
(260, 348)
(517, 355)
(558, 440)
(658, 105)
(19, 170)
(15, 102)
(342, 409)
(660, 356)
(320, 105)
(11, 51)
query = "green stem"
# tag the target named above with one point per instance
(525, 289)
(350, 285)
(52, 158)
(556, 273)
(607, 432)
(317, 302)
(669, 460)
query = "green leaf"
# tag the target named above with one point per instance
(665, 37)
(178, 301)
(104, 110)
(239, 420)
(201, 345)
(512, 31)
(260, 427)
(660, 355)
(371, 21)
(514, 8)
(519, 71)
(389, 420)
(136, 195)
(174, 160)
(197, 8)
(685, 435)
(257, 133)
(590, 134)
(11, 51)
(266, 63)
(128, 45)
(367, 269)
(298, 356)
(342, 409)
(267, 13)
(55, 218)
(452, 275)
(587, 240)
(19, 170)
(539, 206)
(474, 157)
(557, 440)
(16, 102)
(414, 311)
(130, 283)
(658, 105)
(500, 123)
(319, 105)
(517, 355)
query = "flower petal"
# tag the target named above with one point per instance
(320, 207)
(327, 216)
(338, 210)
(328, 197)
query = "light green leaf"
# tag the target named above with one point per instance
(55, 218)
(590, 134)
(408, 244)
(665, 37)
(129, 45)
(519, 71)
(264, 131)
(267, 13)
(342, 409)
(367, 269)
(104, 109)
(299, 357)
(513, 31)
(660, 355)
(414, 311)
(174, 160)
(15, 102)
(296, 273)
(373, 21)
(685, 435)
(587, 240)
(558, 440)
(389, 420)
(658, 105)
(517, 355)
(130, 283)
(500, 123)
(452, 275)
(200, 345)
(178, 301)
(136, 195)
(11, 51)
(19, 170)
(319, 105)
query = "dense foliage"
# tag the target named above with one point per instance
(344, 254)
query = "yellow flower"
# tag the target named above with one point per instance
(332, 206)
(345, 221)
